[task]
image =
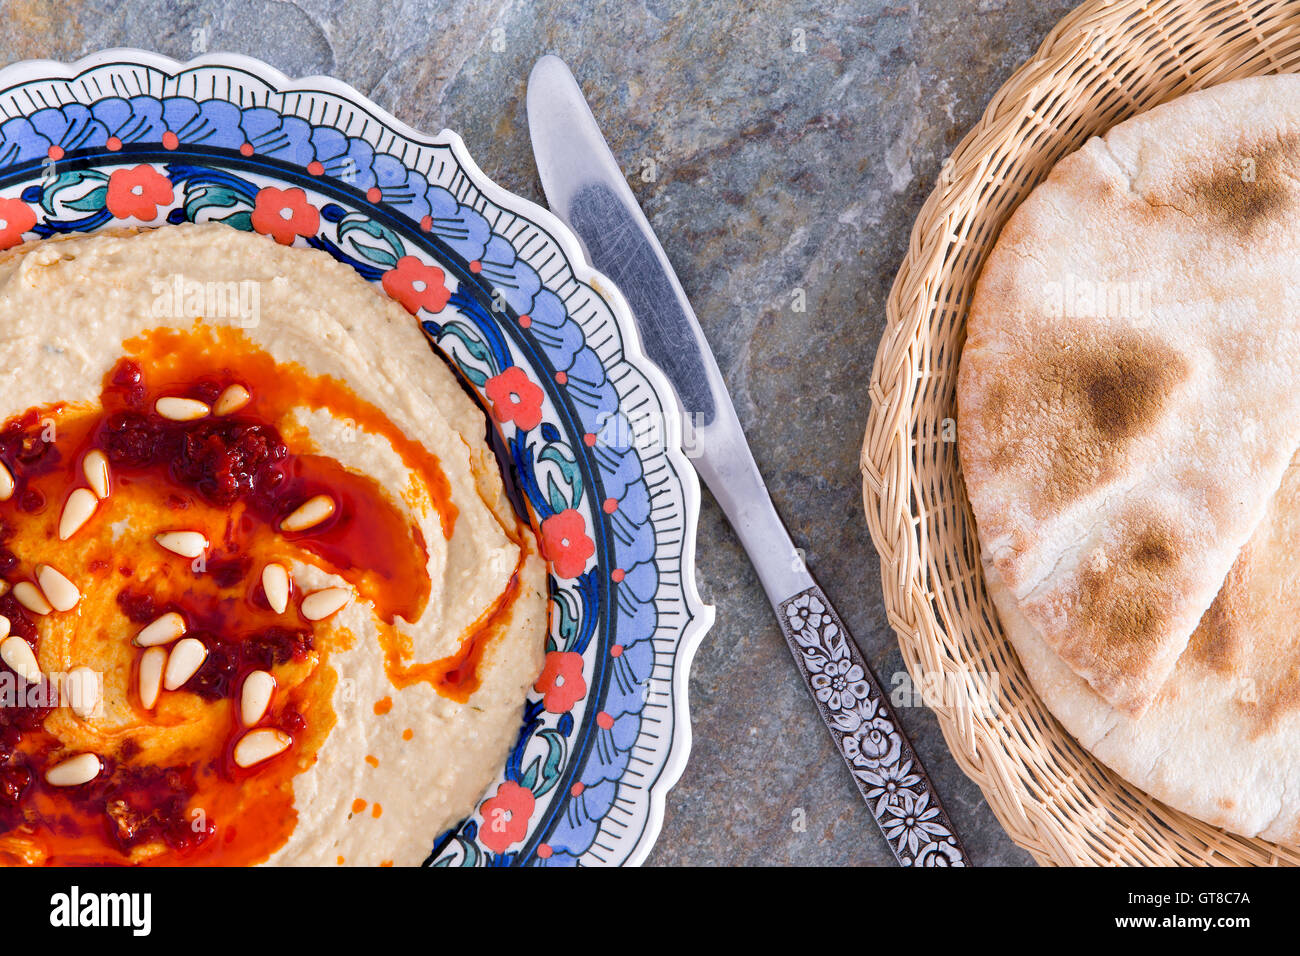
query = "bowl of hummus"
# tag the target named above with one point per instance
(342, 521)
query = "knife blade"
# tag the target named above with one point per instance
(586, 189)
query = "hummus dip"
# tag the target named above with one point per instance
(264, 599)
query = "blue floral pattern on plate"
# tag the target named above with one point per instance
(129, 138)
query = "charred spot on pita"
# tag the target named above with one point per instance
(1124, 601)
(1077, 408)
(1253, 188)
(1217, 641)
(1125, 387)
(1153, 550)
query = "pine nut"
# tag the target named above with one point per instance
(18, 655)
(181, 409)
(82, 689)
(275, 582)
(187, 656)
(152, 662)
(309, 514)
(95, 467)
(321, 604)
(77, 510)
(231, 400)
(162, 630)
(30, 597)
(59, 591)
(255, 697)
(188, 544)
(261, 744)
(74, 771)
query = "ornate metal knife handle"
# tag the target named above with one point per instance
(856, 710)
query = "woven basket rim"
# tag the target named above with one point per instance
(1053, 798)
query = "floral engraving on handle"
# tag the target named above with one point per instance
(866, 732)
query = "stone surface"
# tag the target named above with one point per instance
(765, 170)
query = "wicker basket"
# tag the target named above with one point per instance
(1103, 63)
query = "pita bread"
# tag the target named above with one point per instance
(1220, 741)
(1119, 450)
(1128, 427)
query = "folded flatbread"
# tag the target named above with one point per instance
(1128, 407)
(1221, 741)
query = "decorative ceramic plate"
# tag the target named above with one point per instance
(585, 419)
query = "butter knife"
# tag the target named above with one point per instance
(587, 191)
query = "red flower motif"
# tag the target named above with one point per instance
(16, 217)
(505, 816)
(416, 286)
(138, 192)
(515, 398)
(561, 683)
(284, 214)
(565, 543)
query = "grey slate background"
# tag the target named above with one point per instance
(772, 170)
